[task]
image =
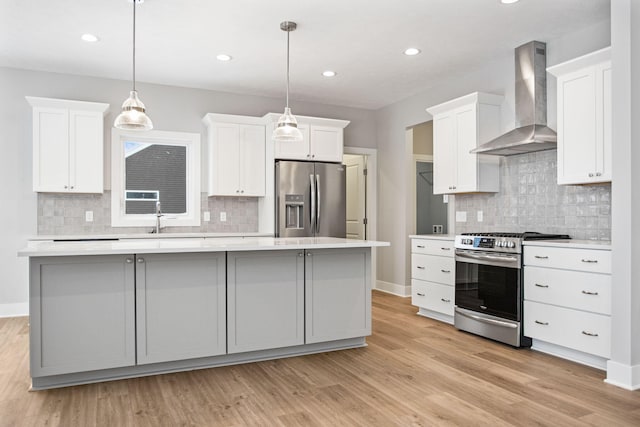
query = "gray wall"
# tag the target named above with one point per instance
(392, 121)
(170, 108)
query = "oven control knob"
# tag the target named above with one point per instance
(511, 244)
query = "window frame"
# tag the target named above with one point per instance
(191, 141)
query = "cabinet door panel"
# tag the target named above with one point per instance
(224, 160)
(604, 149)
(51, 149)
(337, 294)
(444, 161)
(326, 144)
(576, 127)
(252, 160)
(86, 151)
(294, 150)
(180, 300)
(466, 177)
(82, 314)
(265, 300)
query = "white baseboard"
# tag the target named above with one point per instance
(621, 375)
(570, 354)
(393, 288)
(14, 310)
(435, 315)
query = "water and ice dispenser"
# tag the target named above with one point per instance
(294, 211)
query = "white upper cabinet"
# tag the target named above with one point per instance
(584, 118)
(322, 140)
(68, 145)
(236, 155)
(459, 126)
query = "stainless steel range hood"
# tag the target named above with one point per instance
(531, 133)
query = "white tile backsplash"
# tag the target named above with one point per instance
(531, 200)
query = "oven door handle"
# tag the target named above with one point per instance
(500, 261)
(485, 320)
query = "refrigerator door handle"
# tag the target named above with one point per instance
(319, 204)
(312, 211)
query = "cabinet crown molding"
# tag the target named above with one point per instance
(575, 64)
(211, 118)
(475, 97)
(70, 104)
(319, 121)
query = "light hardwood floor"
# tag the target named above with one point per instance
(415, 371)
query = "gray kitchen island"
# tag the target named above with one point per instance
(111, 309)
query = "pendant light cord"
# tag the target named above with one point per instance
(288, 31)
(134, 44)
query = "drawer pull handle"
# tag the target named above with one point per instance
(446, 249)
(541, 257)
(421, 246)
(541, 286)
(420, 294)
(590, 261)
(589, 334)
(446, 271)
(445, 300)
(420, 267)
(589, 293)
(542, 323)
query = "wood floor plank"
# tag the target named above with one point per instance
(415, 371)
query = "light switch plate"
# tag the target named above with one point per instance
(223, 216)
(206, 216)
(88, 216)
(461, 216)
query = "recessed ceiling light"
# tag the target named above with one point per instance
(329, 73)
(223, 57)
(412, 51)
(508, 1)
(89, 38)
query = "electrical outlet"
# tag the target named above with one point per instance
(437, 229)
(207, 216)
(480, 216)
(88, 216)
(223, 216)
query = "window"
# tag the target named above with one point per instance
(151, 167)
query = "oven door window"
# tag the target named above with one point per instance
(488, 289)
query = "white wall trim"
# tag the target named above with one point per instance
(14, 310)
(393, 288)
(621, 375)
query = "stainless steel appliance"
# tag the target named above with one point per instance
(310, 199)
(488, 288)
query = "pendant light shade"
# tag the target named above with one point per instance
(287, 127)
(133, 115)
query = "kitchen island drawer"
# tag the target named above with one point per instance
(433, 268)
(572, 289)
(578, 330)
(432, 247)
(433, 296)
(595, 261)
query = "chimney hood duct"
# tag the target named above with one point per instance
(531, 132)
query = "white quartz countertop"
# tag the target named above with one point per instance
(603, 245)
(163, 235)
(174, 245)
(450, 237)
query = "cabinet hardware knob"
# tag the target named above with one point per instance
(420, 267)
(140, 260)
(313, 156)
(589, 334)
(541, 286)
(421, 246)
(589, 293)
(446, 271)
(590, 175)
(237, 191)
(542, 323)
(541, 257)
(598, 174)
(242, 191)
(300, 254)
(129, 260)
(308, 253)
(72, 187)
(446, 249)
(445, 300)
(590, 261)
(420, 294)
(66, 187)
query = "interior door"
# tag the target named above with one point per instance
(356, 190)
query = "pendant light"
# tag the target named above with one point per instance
(287, 127)
(133, 116)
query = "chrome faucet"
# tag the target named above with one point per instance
(158, 215)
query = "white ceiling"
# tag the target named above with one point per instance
(362, 40)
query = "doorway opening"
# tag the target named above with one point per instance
(431, 211)
(356, 174)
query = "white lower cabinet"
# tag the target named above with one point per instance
(180, 306)
(433, 277)
(82, 314)
(567, 292)
(265, 300)
(337, 294)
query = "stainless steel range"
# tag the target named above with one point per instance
(488, 289)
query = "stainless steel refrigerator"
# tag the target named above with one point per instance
(310, 199)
